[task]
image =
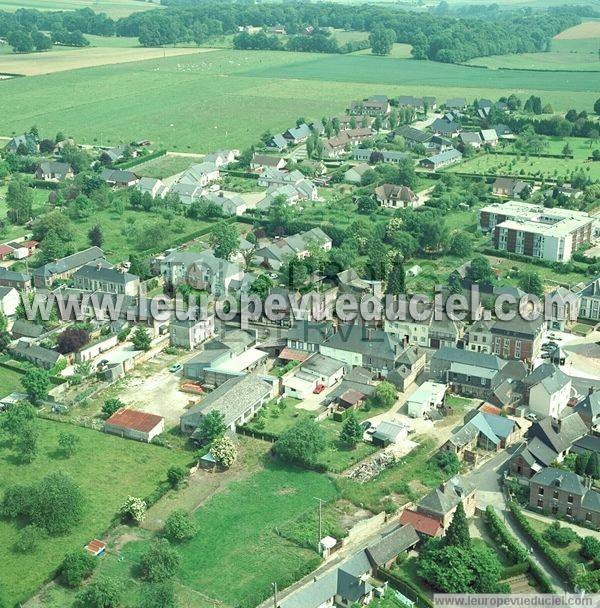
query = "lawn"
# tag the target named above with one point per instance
(542, 168)
(107, 469)
(118, 230)
(170, 100)
(336, 457)
(165, 166)
(10, 381)
(570, 552)
(10, 231)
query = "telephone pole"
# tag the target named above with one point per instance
(320, 501)
(274, 585)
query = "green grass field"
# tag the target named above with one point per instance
(10, 381)
(164, 166)
(549, 168)
(107, 469)
(113, 8)
(200, 102)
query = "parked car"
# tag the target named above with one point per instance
(319, 389)
(531, 416)
(175, 367)
(366, 425)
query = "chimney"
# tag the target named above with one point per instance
(591, 390)
(98, 266)
(556, 425)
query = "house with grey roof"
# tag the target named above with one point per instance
(563, 493)
(348, 583)
(442, 501)
(102, 277)
(589, 301)
(19, 280)
(355, 174)
(558, 434)
(456, 103)
(441, 160)
(22, 328)
(26, 141)
(238, 399)
(119, 178)
(190, 333)
(547, 390)
(588, 408)
(230, 203)
(153, 186)
(358, 345)
(482, 430)
(40, 356)
(279, 142)
(297, 135)
(471, 138)
(530, 458)
(210, 273)
(506, 186)
(260, 162)
(395, 196)
(63, 268)
(53, 171)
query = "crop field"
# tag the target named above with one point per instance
(107, 469)
(113, 8)
(60, 59)
(549, 168)
(587, 29)
(201, 102)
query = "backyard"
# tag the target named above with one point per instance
(107, 469)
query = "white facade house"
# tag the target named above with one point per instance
(549, 390)
(9, 301)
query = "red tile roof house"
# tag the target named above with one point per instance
(133, 424)
(5, 251)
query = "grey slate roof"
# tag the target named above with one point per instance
(70, 262)
(559, 438)
(551, 377)
(34, 351)
(467, 357)
(392, 544)
(445, 156)
(359, 339)
(444, 498)
(23, 327)
(11, 275)
(537, 452)
(232, 399)
(589, 406)
(565, 480)
(101, 272)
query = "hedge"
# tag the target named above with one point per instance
(568, 570)
(138, 160)
(406, 587)
(499, 532)
(517, 257)
(515, 570)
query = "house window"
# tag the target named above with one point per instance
(541, 491)
(570, 511)
(588, 516)
(555, 495)
(554, 510)
(570, 498)
(540, 503)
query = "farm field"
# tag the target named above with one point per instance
(587, 29)
(178, 94)
(60, 59)
(548, 168)
(107, 469)
(113, 8)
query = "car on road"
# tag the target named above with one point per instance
(175, 367)
(531, 416)
(549, 346)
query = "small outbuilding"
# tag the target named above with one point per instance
(134, 424)
(96, 547)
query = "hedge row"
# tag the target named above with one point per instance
(139, 160)
(517, 257)
(515, 551)
(542, 155)
(568, 570)
(499, 532)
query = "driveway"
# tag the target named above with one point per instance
(152, 388)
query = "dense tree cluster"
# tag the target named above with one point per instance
(433, 37)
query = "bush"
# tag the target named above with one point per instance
(590, 549)
(160, 562)
(76, 567)
(175, 475)
(29, 538)
(101, 593)
(179, 526)
(499, 532)
(133, 509)
(558, 535)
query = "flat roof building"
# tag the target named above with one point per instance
(536, 231)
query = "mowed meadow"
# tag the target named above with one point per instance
(204, 101)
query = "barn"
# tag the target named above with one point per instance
(134, 424)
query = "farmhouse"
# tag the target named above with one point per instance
(440, 126)
(278, 142)
(199, 175)
(505, 186)
(471, 138)
(134, 424)
(298, 134)
(441, 160)
(45, 275)
(53, 171)
(376, 105)
(40, 356)
(489, 137)
(238, 400)
(527, 229)
(395, 196)
(154, 187)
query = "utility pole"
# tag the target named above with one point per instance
(274, 585)
(321, 501)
